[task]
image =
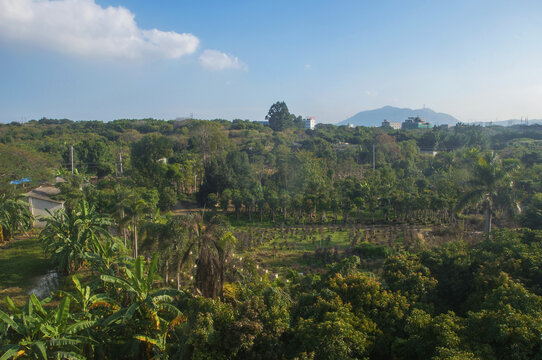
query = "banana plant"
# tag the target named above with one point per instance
(37, 332)
(69, 236)
(84, 301)
(148, 312)
(112, 257)
(14, 217)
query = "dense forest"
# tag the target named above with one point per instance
(235, 240)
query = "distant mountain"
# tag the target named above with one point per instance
(376, 116)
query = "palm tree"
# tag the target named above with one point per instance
(490, 180)
(121, 194)
(14, 217)
(173, 238)
(134, 207)
(215, 246)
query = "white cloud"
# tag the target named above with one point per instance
(308, 67)
(84, 28)
(217, 60)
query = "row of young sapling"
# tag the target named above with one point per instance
(321, 246)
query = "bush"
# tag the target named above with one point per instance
(371, 251)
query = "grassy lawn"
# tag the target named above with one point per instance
(21, 262)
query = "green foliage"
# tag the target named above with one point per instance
(91, 156)
(37, 332)
(69, 236)
(279, 117)
(371, 251)
(450, 265)
(490, 186)
(406, 274)
(532, 217)
(146, 155)
(14, 217)
(461, 300)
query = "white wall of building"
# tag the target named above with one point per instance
(39, 207)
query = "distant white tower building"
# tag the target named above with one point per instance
(309, 122)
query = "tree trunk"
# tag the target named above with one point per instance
(178, 274)
(488, 219)
(166, 272)
(135, 239)
(123, 227)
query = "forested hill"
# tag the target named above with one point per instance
(253, 167)
(334, 243)
(390, 113)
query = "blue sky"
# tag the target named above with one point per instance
(85, 59)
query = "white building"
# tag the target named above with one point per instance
(310, 123)
(40, 201)
(391, 124)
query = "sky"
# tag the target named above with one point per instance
(111, 59)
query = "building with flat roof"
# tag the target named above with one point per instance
(415, 122)
(309, 122)
(391, 124)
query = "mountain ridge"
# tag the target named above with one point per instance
(376, 116)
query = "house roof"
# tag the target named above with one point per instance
(44, 192)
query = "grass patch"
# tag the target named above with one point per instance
(21, 262)
(280, 254)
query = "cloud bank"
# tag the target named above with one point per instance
(217, 60)
(83, 28)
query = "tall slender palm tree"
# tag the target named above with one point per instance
(173, 238)
(119, 210)
(490, 180)
(134, 207)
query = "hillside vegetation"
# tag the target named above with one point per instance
(229, 240)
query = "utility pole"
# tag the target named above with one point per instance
(374, 157)
(71, 156)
